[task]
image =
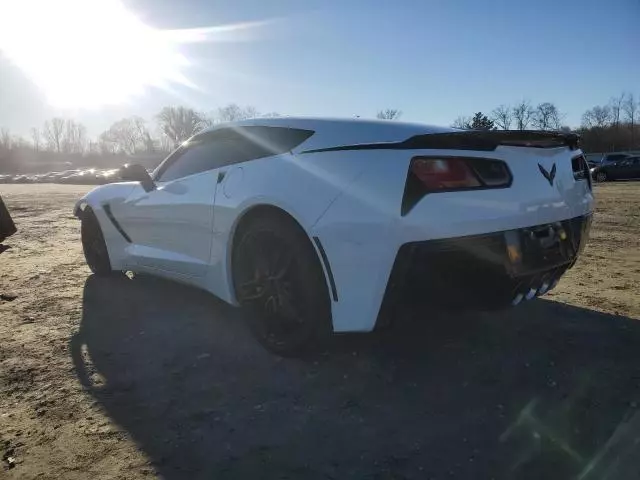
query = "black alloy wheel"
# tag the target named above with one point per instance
(277, 277)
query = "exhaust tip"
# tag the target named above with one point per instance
(544, 288)
(518, 298)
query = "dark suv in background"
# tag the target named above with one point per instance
(627, 167)
(605, 158)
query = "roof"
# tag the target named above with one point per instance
(343, 131)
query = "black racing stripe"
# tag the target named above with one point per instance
(470, 140)
(327, 266)
(107, 210)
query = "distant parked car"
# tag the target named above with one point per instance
(626, 168)
(605, 159)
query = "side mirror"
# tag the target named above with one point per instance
(132, 172)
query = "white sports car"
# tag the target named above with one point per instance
(320, 225)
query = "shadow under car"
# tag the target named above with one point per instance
(542, 391)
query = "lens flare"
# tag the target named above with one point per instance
(91, 53)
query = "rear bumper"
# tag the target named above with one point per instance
(489, 270)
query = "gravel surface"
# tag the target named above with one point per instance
(133, 378)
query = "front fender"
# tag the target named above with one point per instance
(112, 192)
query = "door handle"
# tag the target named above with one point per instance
(221, 176)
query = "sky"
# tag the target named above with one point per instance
(432, 59)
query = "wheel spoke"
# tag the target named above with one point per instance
(281, 265)
(286, 304)
(252, 290)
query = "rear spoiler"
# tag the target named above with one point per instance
(484, 140)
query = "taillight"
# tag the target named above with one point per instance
(445, 174)
(580, 169)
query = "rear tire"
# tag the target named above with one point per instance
(601, 177)
(94, 245)
(278, 280)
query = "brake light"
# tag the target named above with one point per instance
(444, 174)
(453, 173)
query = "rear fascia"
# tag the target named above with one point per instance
(363, 229)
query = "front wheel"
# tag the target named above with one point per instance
(279, 281)
(93, 244)
(601, 177)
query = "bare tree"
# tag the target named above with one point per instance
(615, 106)
(502, 117)
(93, 148)
(75, 137)
(35, 139)
(163, 142)
(597, 117)
(129, 135)
(143, 135)
(389, 114)
(462, 122)
(546, 117)
(522, 113)
(180, 123)
(233, 112)
(106, 144)
(19, 142)
(631, 107)
(5, 139)
(54, 134)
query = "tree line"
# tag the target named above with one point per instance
(130, 135)
(603, 128)
(614, 126)
(610, 127)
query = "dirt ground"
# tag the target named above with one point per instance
(133, 378)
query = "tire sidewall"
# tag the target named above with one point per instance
(100, 265)
(315, 294)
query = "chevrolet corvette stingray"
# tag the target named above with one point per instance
(321, 225)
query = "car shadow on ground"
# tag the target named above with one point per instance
(542, 391)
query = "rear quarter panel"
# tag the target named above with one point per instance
(304, 186)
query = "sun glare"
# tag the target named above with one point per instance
(88, 53)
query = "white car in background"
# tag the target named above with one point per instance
(320, 225)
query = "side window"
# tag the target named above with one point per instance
(228, 146)
(202, 153)
(255, 142)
